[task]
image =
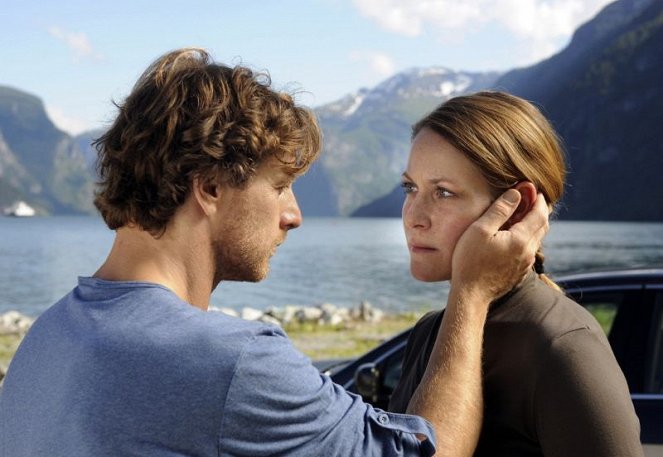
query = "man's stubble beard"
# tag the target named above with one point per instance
(239, 262)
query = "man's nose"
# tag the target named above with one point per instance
(291, 215)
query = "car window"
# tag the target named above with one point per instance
(656, 374)
(392, 371)
(624, 316)
(604, 311)
(602, 305)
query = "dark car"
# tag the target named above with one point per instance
(629, 306)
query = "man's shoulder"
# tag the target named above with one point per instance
(148, 319)
(217, 325)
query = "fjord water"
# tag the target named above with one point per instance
(336, 260)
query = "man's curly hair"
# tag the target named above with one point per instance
(188, 117)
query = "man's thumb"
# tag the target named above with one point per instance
(501, 210)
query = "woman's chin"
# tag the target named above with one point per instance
(429, 276)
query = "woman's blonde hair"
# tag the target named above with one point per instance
(508, 139)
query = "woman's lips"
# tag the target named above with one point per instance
(421, 249)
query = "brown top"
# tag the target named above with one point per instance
(552, 386)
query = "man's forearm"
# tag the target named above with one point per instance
(450, 393)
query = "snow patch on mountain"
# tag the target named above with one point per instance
(358, 99)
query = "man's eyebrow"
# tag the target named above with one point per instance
(286, 175)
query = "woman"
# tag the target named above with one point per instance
(552, 386)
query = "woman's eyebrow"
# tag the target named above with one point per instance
(433, 180)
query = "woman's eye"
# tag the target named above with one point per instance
(407, 187)
(443, 193)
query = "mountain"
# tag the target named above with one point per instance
(604, 96)
(39, 164)
(602, 93)
(389, 205)
(84, 142)
(367, 137)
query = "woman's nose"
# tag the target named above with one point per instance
(415, 212)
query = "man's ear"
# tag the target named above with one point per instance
(527, 198)
(206, 193)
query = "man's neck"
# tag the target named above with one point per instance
(172, 260)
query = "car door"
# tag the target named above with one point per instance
(631, 313)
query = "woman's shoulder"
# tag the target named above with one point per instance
(547, 310)
(429, 321)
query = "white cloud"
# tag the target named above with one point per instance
(66, 123)
(380, 65)
(408, 17)
(78, 43)
(538, 24)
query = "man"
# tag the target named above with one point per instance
(196, 179)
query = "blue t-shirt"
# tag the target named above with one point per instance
(129, 369)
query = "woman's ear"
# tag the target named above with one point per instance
(527, 198)
(527, 192)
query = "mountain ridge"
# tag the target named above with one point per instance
(602, 94)
(38, 162)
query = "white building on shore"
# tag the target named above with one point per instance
(20, 209)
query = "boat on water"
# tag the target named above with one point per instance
(20, 209)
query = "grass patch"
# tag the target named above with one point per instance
(604, 313)
(321, 342)
(8, 345)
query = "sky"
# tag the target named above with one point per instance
(79, 56)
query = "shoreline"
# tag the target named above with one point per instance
(321, 332)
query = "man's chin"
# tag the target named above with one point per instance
(258, 277)
(246, 275)
(257, 274)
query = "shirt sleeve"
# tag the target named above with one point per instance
(279, 404)
(582, 405)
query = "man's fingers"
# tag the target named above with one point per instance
(535, 223)
(532, 229)
(500, 211)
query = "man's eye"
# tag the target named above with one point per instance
(283, 186)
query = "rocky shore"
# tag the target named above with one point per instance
(322, 331)
(14, 323)
(325, 314)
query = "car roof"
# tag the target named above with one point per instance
(613, 278)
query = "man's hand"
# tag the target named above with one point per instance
(488, 262)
